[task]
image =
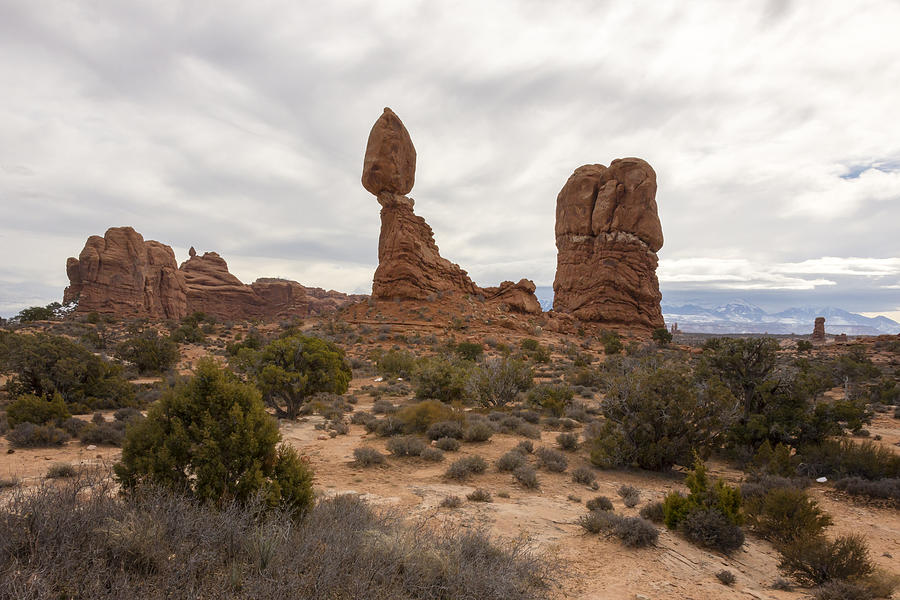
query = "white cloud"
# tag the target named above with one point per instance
(242, 129)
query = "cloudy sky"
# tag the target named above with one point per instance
(240, 127)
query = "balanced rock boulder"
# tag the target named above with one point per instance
(390, 162)
(607, 236)
(410, 265)
(122, 274)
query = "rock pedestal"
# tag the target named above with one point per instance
(818, 334)
(607, 236)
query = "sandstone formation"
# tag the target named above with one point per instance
(607, 236)
(818, 334)
(410, 266)
(121, 274)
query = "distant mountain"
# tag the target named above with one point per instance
(743, 317)
(740, 316)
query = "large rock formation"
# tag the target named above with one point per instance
(121, 274)
(410, 266)
(818, 334)
(607, 236)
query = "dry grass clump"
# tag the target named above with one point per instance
(92, 543)
(552, 460)
(480, 495)
(584, 475)
(448, 444)
(630, 495)
(527, 477)
(465, 467)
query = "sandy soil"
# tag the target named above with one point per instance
(595, 567)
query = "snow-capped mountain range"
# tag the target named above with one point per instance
(740, 316)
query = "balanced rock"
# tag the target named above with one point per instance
(818, 334)
(120, 273)
(390, 162)
(410, 265)
(607, 236)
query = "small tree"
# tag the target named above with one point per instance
(212, 438)
(661, 336)
(149, 352)
(292, 369)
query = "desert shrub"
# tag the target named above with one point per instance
(846, 458)
(29, 435)
(510, 424)
(510, 461)
(210, 437)
(432, 454)
(469, 350)
(630, 495)
(61, 471)
(29, 408)
(419, 417)
(525, 446)
(815, 560)
(291, 369)
(725, 576)
(441, 378)
(44, 365)
(612, 343)
(842, 590)
(4, 424)
(73, 426)
(785, 514)
(480, 495)
(366, 456)
(527, 477)
(568, 441)
(479, 431)
(338, 427)
(445, 429)
(552, 397)
(601, 503)
(362, 418)
(710, 515)
(405, 445)
(593, 522)
(149, 352)
(529, 416)
(661, 336)
(451, 502)
(465, 467)
(529, 431)
(395, 363)
(92, 543)
(448, 444)
(659, 417)
(388, 426)
(8, 482)
(552, 460)
(127, 414)
(382, 406)
(885, 489)
(584, 475)
(497, 381)
(103, 434)
(634, 532)
(653, 511)
(711, 529)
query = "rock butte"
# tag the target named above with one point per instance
(122, 274)
(607, 236)
(410, 266)
(818, 334)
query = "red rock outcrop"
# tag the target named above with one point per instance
(410, 266)
(818, 334)
(122, 274)
(607, 236)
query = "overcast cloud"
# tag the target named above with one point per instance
(240, 127)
